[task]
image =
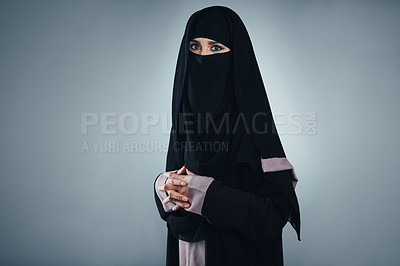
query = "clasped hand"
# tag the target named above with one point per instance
(176, 188)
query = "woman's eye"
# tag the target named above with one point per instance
(216, 48)
(194, 46)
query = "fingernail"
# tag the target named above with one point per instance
(185, 198)
(167, 174)
(183, 183)
(161, 187)
(186, 205)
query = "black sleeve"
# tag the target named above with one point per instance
(258, 217)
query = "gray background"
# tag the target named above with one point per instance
(61, 59)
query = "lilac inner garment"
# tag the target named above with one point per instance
(278, 164)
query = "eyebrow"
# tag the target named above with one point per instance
(210, 42)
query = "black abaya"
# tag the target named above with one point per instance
(252, 196)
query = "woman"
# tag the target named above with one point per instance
(228, 189)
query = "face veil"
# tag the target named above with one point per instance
(210, 86)
(215, 85)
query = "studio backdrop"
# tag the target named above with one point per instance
(85, 113)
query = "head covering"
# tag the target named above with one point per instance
(228, 89)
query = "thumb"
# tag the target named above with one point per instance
(182, 170)
(189, 172)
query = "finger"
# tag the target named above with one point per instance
(181, 171)
(167, 174)
(171, 172)
(172, 198)
(178, 196)
(189, 172)
(176, 207)
(174, 175)
(169, 187)
(176, 180)
(166, 200)
(181, 204)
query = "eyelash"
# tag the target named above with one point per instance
(220, 48)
